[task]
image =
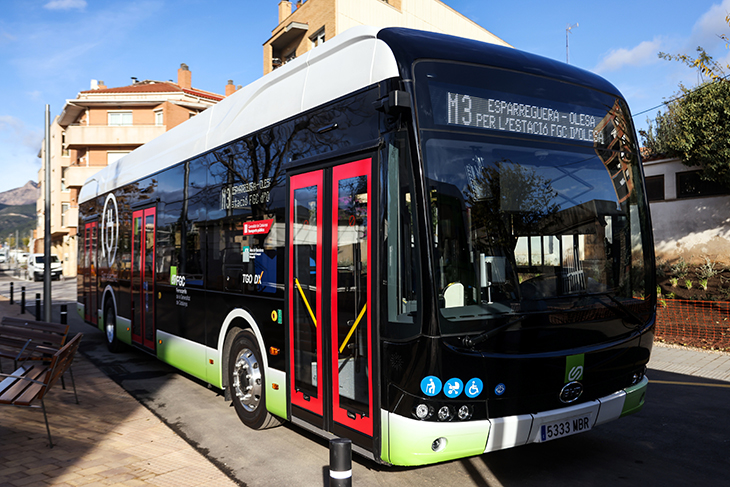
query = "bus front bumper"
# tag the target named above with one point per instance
(411, 442)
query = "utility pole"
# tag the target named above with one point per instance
(567, 46)
(47, 225)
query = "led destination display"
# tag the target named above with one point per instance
(512, 116)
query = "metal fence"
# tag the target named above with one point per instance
(702, 324)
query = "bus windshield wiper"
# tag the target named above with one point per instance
(622, 311)
(472, 342)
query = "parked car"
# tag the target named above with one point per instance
(36, 267)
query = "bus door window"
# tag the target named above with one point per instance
(305, 285)
(89, 276)
(399, 243)
(350, 291)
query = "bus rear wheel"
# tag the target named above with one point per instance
(110, 321)
(247, 384)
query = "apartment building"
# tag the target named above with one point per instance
(98, 127)
(305, 25)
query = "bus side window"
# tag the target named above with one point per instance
(401, 263)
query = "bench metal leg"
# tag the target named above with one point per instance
(48, 429)
(73, 383)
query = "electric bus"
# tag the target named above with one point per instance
(433, 246)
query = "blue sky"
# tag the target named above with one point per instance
(51, 49)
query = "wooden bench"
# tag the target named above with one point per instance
(33, 379)
(22, 339)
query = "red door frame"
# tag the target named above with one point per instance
(312, 404)
(363, 424)
(146, 315)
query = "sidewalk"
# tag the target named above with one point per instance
(706, 364)
(107, 439)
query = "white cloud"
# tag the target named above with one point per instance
(641, 55)
(65, 4)
(13, 129)
(710, 26)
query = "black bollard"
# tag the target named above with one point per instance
(340, 462)
(38, 306)
(12, 301)
(64, 314)
(22, 300)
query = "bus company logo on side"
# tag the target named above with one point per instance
(175, 278)
(110, 228)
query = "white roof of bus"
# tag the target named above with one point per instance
(350, 61)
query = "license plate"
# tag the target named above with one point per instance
(564, 427)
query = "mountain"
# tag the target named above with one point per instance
(17, 217)
(25, 195)
(17, 211)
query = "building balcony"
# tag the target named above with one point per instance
(69, 219)
(76, 175)
(105, 135)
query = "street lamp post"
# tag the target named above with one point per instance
(567, 48)
(47, 233)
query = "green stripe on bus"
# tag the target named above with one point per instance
(124, 330)
(635, 396)
(276, 397)
(411, 442)
(184, 354)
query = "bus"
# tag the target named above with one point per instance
(432, 246)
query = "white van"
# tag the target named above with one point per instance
(36, 267)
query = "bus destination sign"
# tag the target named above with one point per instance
(516, 117)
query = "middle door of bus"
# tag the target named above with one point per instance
(329, 296)
(143, 277)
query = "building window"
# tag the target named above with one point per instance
(64, 188)
(64, 146)
(114, 156)
(158, 117)
(689, 185)
(120, 118)
(318, 38)
(64, 209)
(655, 188)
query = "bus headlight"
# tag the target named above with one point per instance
(464, 412)
(422, 412)
(444, 413)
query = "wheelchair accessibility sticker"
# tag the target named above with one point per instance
(474, 387)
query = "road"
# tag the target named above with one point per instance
(681, 437)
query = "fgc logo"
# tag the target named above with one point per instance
(110, 229)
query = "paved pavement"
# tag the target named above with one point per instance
(111, 439)
(107, 439)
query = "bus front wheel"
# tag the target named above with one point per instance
(247, 384)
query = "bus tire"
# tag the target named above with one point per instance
(247, 382)
(110, 320)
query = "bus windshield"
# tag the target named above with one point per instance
(535, 199)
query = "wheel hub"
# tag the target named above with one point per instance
(247, 380)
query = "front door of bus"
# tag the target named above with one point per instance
(143, 277)
(330, 313)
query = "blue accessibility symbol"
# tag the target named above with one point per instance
(499, 390)
(453, 388)
(474, 387)
(431, 385)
